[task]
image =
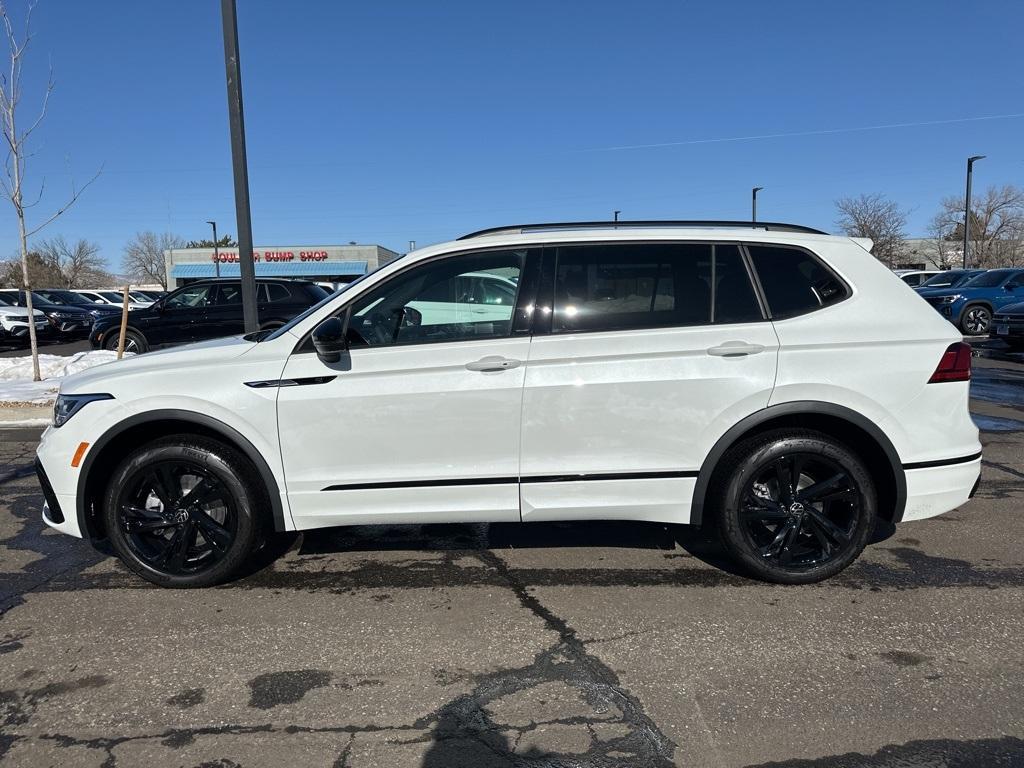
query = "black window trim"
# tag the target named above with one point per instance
(759, 289)
(546, 302)
(525, 296)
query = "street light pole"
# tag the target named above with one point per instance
(216, 249)
(967, 204)
(753, 203)
(233, 68)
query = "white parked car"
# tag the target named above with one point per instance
(773, 382)
(14, 320)
(115, 298)
(914, 277)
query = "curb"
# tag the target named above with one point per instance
(27, 416)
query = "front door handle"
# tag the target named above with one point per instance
(736, 349)
(493, 363)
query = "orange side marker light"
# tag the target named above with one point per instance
(79, 453)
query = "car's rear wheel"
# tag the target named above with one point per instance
(133, 342)
(976, 320)
(794, 506)
(184, 511)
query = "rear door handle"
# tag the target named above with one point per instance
(493, 363)
(736, 349)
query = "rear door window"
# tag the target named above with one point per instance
(628, 286)
(794, 281)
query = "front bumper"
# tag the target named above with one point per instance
(19, 330)
(1007, 327)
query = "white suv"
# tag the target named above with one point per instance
(771, 381)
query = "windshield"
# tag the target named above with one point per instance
(6, 300)
(111, 296)
(989, 279)
(323, 302)
(952, 277)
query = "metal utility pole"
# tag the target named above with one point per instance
(229, 18)
(216, 249)
(753, 203)
(967, 204)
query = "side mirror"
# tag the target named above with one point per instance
(329, 340)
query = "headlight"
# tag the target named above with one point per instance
(67, 406)
(64, 315)
(949, 299)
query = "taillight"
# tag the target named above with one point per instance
(955, 364)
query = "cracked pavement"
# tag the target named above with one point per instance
(577, 644)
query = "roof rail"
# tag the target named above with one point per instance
(770, 226)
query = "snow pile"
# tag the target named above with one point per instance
(16, 385)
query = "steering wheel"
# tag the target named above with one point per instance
(382, 327)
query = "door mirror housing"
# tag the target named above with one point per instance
(329, 340)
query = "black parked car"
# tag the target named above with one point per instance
(72, 299)
(1008, 325)
(66, 320)
(206, 309)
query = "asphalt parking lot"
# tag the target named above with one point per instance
(591, 644)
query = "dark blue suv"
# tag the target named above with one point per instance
(970, 306)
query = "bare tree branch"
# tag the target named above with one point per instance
(880, 219)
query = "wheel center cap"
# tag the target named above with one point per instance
(796, 508)
(181, 516)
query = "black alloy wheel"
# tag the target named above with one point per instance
(133, 342)
(793, 518)
(798, 506)
(177, 517)
(184, 511)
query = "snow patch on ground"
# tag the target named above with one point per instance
(16, 385)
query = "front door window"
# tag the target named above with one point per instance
(456, 299)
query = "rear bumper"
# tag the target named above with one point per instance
(934, 490)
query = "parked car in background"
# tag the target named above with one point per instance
(74, 299)
(206, 309)
(150, 295)
(951, 278)
(1008, 325)
(914, 277)
(771, 382)
(112, 298)
(66, 321)
(970, 306)
(14, 321)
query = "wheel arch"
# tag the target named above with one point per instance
(858, 432)
(109, 449)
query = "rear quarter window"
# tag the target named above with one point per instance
(794, 281)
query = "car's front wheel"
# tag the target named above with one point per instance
(184, 511)
(976, 320)
(794, 506)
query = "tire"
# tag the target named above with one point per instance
(801, 537)
(975, 320)
(133, 342)
(203, 543)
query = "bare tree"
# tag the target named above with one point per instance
(876, 217)
(144, 256)
(997, 227)
(17, 154)
(79, 264)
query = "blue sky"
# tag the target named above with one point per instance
(394, 121)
